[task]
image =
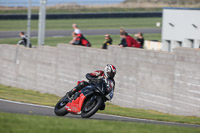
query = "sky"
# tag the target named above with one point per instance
(14, 3)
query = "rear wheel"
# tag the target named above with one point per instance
(60, 106)
(91, 106)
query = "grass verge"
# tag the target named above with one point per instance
(96, 40)
(55, 10)
(19, 123)
(35, 97)
(66, 24)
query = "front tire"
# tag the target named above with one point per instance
(60, 107)
(91, 106)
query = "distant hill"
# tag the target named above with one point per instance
(162, 3)
(166, 1)
(113, 6)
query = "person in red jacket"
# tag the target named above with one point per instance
(131, 42)
(81, 40)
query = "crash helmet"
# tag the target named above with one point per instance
(110, 71)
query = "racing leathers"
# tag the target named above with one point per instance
(95, 77)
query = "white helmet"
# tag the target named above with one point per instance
(110, 71)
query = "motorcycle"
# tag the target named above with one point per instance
(86, 102)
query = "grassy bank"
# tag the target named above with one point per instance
(96, 40)
(66, 24)
(68, 9)
(30, 96)
(96, 7)
(19, 123)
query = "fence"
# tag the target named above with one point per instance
(167, 82)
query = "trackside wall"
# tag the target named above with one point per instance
(167, 82)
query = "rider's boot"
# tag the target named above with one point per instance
(70, 93)
(102, 107)
(76, 89)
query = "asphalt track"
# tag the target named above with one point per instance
(56, 33)
(26, 108)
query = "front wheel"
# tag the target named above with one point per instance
(91, 106)
(60, 106)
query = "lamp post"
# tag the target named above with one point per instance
(41, 24)
(29, 24)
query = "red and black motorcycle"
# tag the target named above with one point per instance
(85, 102)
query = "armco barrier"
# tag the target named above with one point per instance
(167, 82)
(85, 15)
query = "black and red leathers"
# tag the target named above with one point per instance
(95, 76)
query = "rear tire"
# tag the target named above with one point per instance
(88, 111)
(60, 107)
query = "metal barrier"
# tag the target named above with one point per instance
(85, 15)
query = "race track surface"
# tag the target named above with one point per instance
(54, 33)
(26, 108)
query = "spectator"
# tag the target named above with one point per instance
(24, 40)
(131, 42)
(78, 38)
(128, 41)
(76, 29)
(123, 42)
(81, 40)
(108, 41)
(140, 39)
(122, 31)
(73, 39)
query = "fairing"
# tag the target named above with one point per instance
(76, 105)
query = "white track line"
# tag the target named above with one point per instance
(43, 106)
(30, 104)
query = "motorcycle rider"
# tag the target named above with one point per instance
(106, 76)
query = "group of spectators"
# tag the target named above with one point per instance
(79, 39)
(126, 39)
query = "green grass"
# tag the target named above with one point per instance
(96, 40)
(79, 10)
(30, 96)
(66, 24)
(19, 123)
